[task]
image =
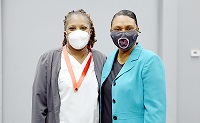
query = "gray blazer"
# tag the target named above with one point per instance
(45, 94)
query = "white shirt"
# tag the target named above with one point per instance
(80, 106)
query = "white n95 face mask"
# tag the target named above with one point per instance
(78, 39)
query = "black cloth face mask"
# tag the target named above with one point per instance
(124, 40)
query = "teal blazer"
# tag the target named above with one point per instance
(139, 91)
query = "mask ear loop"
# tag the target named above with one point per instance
(138, 30)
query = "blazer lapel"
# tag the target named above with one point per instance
(132, 60)
(108, 66)
(130, 63)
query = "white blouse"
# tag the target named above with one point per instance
(81, 106)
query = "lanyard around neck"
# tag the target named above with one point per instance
(76, 85)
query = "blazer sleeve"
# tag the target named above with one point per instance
(153, 77)
(39, 93)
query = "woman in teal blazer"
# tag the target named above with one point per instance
(133, 78)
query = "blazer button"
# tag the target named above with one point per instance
(114, 117)
(114, 101)
(114, 83)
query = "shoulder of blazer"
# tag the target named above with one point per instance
(148, 54)
(98, 56)
(51, 52)
(52, 56)
(98, 53)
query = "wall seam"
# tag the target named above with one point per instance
(160, 28)
(169, 45)
(1, 65)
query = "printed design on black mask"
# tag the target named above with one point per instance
(123, 43)
(124, 40)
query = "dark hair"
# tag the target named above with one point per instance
(125, 13)
(82, 12)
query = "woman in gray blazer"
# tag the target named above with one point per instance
(66, 83)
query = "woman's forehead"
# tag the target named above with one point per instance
(122, 19)
(78, 18)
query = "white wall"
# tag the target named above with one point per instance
(1, 54)
(169, 47)
(169, 28)
(31, 27)
(181, 23)
(188, 67)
